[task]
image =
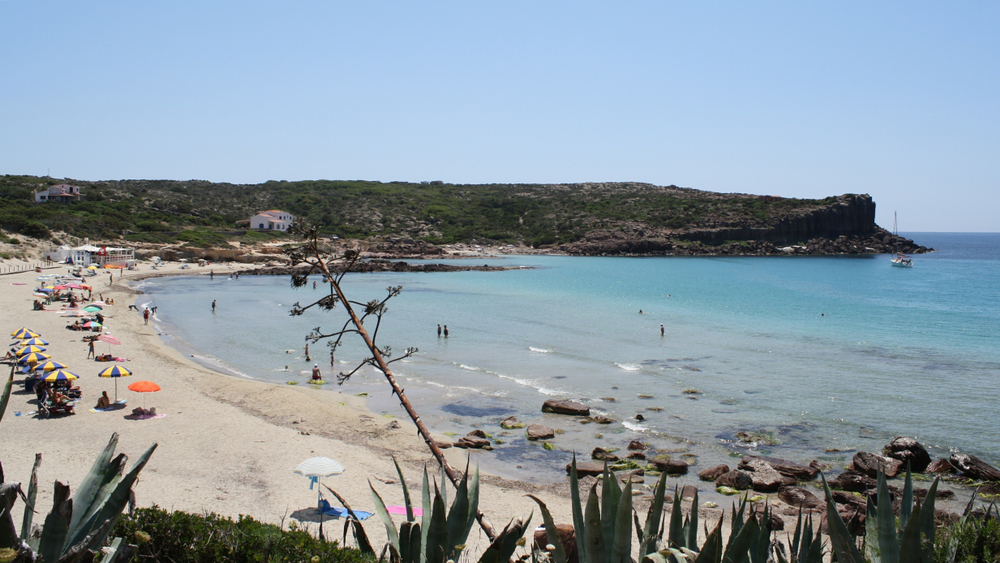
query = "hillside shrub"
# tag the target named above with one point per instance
(180, 537)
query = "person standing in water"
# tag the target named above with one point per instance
(446, 331)
(307, 352)
(213, 305)
(211, 274)
(439, 330)
(661, 330)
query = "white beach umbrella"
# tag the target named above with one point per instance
(316, 468)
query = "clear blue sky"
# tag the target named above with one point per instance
(900, 100)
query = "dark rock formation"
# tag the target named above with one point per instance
(688, 492)
(587, 468)
(510, 423)
(787, 468)
(670, 466)
(940, 466)
(539, 432)
(850, 481)
(736, 479)
(766, 479)
(559, 406)
(474, 441)
(974, 467)
(799, 496)
(602, 454)
(713, 473)
(636, 445)
(869, 464)
(908, 450)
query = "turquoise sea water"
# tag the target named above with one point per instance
(820, 353)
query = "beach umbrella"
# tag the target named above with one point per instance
(33, 358)
(144, 387)
(91, 309)
(62, 287)
(23, 333)
(61, 375)
(50, 365)
(100, 303)
(92, 324)
(316, 468)
(115, 372)
(110, 340)
(92, 267)
(34, 342)
(39, 294)
(45, 290)
(25, 350)
(75, 314)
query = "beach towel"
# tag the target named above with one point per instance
(338, 512)
(402, 510)
(113, 407)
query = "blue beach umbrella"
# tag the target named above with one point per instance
(33, 358)
(50, 365)
(115, 372)
(34, 342)
(61, 375)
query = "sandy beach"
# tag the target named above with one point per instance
(226, 445)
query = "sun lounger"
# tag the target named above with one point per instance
(338, 512)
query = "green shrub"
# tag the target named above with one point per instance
(180, 537)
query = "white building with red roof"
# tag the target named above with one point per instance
(63, 193)
(271, 220)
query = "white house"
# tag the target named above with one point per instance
(63, 193)
(271, 220)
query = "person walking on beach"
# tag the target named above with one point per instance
(439, 330)
(661, 330)
(213, 305)
(446, 331)
(317, 376)
(91, 353)
(145, 315)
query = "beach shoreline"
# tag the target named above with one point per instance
(226, 445)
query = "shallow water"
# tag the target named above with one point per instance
(812, 353)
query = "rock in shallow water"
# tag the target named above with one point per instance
(974, 467)
(539, 432)
(558, 406)
(869, 464)
(765, 478)
(736, 479)
(713, 473)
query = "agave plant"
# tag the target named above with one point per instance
(805, 546)
(441, 534)
(911, 541)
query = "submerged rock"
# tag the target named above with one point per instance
(559, 406)
(587, 468)
(603, 455)
(670, 466)
(787, 468)
(539, 432)
(510, 423)
(940, 466)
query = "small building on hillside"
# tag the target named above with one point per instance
(271, 220)
(62, 193)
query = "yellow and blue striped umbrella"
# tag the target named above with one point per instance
(33, 358)
(24, 332)
(28, 349)
(115, 371)
(34, 342)
(61, 375)
(51, 365)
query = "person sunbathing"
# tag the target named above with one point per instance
(104, 402)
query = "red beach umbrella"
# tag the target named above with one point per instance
(144, 387)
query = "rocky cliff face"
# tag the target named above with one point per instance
(845, 227)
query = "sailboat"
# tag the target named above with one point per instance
(899, 259)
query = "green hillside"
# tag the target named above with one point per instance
(205, 213)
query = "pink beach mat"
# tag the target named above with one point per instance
(402, 510)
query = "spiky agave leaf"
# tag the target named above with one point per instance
(551, 533)
(5, 395)
(595, 547)
(885, 521)
(578, 518)
(841, 540)
(648, 541)
(502, 548)
(906, 501)
(30, 497)
(622, 546)
(406, 491)
(385, 517)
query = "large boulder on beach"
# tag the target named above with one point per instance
(712, 473)
(974, 467)
(587, 468)
(908, 450)
(940, 466)
(799, 496)
(736, 479)
(602, 454)
(787, 468)
(766, 479)
(539, 432)
(869, 464)
(559, 406)
(854, 482)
